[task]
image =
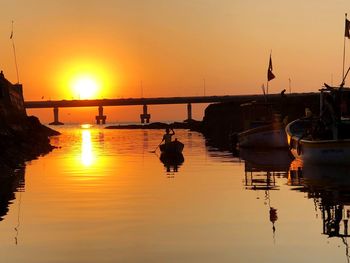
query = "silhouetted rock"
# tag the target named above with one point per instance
(22, 138)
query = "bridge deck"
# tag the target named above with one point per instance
(138, 101)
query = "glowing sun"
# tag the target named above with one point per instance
(85, 78)
(85, 87)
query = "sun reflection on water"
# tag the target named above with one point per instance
(87, 156)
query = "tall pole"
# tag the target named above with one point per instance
(290, 86)
(141, 89)
(14, 52)
(332, 79)
(267, 87)
(344, 45)
(263, 90)
(204, 86)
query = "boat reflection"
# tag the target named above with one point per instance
(172, 162)
(262, 167)
(275, 160)
(329, 187)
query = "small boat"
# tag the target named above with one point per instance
(271, 135)
(174, 147)
(171, 155)
(263, 127)
(324, 139)
(316, 150)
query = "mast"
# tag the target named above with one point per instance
(290, 85)
(267, 87)
(346, 35)
(344, 47)
(14, 52)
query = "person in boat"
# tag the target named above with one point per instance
(167, 136)
(308, 113)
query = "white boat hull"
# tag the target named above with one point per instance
(316, 151)
(325, 152)
(268, 136)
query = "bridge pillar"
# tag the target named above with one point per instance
(189, 112)
(145, 117)
(100, 118)
(55, 117)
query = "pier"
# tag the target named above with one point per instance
(145, 116)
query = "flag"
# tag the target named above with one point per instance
(347, 28)
(270, 75)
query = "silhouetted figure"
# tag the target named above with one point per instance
(167, 136)
(283, 105)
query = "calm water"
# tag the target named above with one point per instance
(103, 197)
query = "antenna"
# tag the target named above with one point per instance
(290, 85)
(141, 89)
(204, 85)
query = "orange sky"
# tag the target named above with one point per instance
(171, 46)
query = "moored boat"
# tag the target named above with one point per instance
(263, 126)
(272, 135)
(326, 138)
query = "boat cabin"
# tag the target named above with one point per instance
(334, 119)
(255, 114)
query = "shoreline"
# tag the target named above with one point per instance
(191, 125)
(22, 137)
(24, 144)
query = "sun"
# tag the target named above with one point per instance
(85, 86)
(86, 78)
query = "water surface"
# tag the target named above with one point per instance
(102, 196)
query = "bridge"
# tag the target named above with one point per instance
(144, 116)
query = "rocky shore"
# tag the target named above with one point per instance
(22, 137)
(24, 144)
